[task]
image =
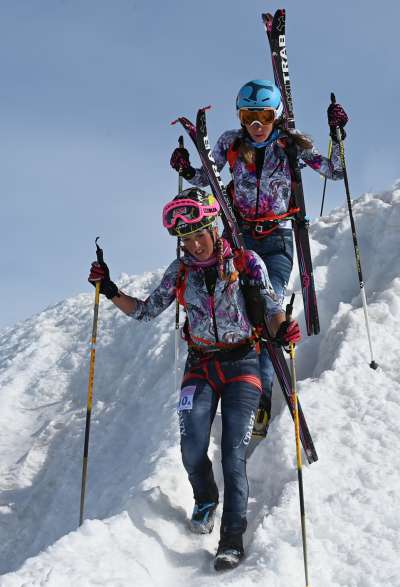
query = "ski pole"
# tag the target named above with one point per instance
(100, 260)
(180, 180)
(372, 364)
(178, 254)
(325, 179)
(295, 403)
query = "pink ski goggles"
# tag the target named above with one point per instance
(189, 211)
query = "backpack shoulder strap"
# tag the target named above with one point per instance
(253, 299)
(181, 282)
(239, 261)
(233, 153)
(289, 147)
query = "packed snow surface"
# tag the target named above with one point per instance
(138, 498)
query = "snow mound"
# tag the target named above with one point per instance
(138, 498)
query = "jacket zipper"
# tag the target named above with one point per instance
(259, 162)
(214, 318)
(210, 281)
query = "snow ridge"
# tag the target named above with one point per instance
(138, 498)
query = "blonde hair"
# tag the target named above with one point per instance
(247, 152)
(299, 139)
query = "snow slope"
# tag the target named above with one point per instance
(138, 499)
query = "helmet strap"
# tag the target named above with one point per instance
(213, 230)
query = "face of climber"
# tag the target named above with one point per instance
(199, 244)
(259, 132)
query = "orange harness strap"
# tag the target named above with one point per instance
(181, 282)
(190, 376)
(251, 379)
(262, 227)
(272, 217)
(204, 375)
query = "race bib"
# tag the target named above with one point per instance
(186, 399)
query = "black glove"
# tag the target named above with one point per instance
(100, 272)
(181, 163)
(288, 332)
(337, 117)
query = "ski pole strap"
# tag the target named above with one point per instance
(180, 180)
(289, 308)
(99, 252)
(326, 179)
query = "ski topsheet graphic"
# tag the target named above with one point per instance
(275, 29)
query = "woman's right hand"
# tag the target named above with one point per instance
(99, 272)
(288, 332)
(180, 161)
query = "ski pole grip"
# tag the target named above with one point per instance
(289, 309)
(99, 253)
(338, 131)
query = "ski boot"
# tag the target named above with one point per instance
(202, 521)
(263, 417)
(230, 552)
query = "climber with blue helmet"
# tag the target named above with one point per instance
(257, 155)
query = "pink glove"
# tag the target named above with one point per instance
(181, 163)
(337, 117)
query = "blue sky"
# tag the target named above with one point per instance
(87, 94)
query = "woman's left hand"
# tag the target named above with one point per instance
(337, 117)
(288, 332)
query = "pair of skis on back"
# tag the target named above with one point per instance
(275, 29)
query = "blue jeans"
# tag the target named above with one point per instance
(276, 250)
(237, 384)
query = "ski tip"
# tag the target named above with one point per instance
(267, 19)
(206, 108)
(174, 121)
(373, 365)
(266, 16)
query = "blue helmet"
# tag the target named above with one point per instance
(259, 94)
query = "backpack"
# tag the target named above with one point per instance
(253, 299)
(265, 225)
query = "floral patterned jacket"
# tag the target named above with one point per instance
(275, 180)
(227, 303)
